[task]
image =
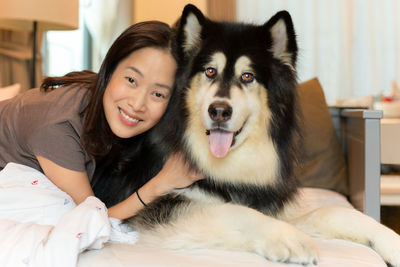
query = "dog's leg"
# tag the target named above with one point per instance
(350, 224)
(233, 227)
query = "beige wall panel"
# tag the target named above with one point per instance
(222, 10)
(164, 10)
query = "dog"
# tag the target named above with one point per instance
(234, 115)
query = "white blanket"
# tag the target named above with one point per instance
(40, 225)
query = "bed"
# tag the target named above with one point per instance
(333, 253)
(51, 231)
(350, 146)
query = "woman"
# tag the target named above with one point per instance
(61, 129)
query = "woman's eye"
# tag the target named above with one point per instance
(247, 77)
(159, 95)
(131, 80)
(211, 73)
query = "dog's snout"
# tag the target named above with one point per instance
(220, 111)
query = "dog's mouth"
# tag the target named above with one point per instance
(221, 141)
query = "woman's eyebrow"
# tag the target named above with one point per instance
(164, 86)
(136, 70)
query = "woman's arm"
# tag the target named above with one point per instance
(175, 174)
(76, 184)
(132, 205)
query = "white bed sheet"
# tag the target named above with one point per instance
(41, 226)
(333, 253)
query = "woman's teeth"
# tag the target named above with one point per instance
(127, 117)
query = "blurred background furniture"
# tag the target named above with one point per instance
(359, 134)
(32, 18)
(341, 149)
(390, 154)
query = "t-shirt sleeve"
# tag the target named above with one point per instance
(58, 143)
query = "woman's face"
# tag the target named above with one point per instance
(138, 92)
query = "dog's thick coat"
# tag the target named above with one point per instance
(234, 116)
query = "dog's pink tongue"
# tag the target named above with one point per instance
(220, 142)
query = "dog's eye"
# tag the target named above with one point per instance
(247, 77)
(211, 73)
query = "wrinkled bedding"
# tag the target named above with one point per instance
(41, 226)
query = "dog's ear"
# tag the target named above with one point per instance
(189, 29)
(283, 44)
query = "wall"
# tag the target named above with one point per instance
(167, 11)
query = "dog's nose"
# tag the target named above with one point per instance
(220, 111)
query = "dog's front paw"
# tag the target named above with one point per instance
(387, 244)
(286, 243)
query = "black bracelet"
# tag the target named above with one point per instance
(140, 199)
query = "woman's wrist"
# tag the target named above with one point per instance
(146, 194)
(140, 199)
(152, 189)
(134, 203)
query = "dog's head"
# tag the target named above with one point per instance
(239, 94)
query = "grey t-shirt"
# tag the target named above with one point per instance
(48, 124)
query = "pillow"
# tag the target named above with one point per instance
(9, 91)
(321, 162)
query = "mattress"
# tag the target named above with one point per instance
(332, 253)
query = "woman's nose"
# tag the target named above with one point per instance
(138, 101)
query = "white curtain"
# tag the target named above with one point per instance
(105, 20)
(352, 46)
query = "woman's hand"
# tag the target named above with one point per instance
(176, 173)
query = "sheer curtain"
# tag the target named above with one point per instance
(105, 20)
(352, 46)
(100, 23)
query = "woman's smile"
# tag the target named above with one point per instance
(128, 119)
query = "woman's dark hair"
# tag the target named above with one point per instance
(98, 138)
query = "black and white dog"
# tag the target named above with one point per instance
(234, 116)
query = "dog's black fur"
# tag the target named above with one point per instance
(230, 212)
(114, 181)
